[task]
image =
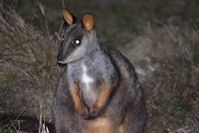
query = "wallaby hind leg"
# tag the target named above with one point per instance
(64, 121)
(64, 112)
(136, 118)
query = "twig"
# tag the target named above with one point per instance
(63, 4)
(41, 7)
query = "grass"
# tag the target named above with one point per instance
(146, 36)
(172, 89)
(9, 125)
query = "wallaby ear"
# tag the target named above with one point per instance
(88, 22)
(68, 17)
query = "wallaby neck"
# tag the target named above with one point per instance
(92, 43)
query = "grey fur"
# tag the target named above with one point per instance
(105, 65)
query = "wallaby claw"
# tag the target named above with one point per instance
(84, 113)
(94, 112)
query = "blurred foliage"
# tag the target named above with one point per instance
(119, 16)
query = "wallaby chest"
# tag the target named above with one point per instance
(92, 75)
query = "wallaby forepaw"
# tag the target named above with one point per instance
(84, 113)
(94, 112)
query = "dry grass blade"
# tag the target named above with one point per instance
(28, 66)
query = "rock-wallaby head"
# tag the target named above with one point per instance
(98, 90)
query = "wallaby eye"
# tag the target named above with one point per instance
(77, 42)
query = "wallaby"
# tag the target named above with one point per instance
(98, 90)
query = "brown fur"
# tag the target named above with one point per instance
(99, 125)
(74, 91)
(102, 98)
(105, 124)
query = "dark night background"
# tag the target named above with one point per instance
(160, 37)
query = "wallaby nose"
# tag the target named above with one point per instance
(59, 59)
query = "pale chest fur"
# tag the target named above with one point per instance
(92, 75)
(88, 85)
(86, 79)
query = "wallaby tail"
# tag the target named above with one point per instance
(20, 122)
